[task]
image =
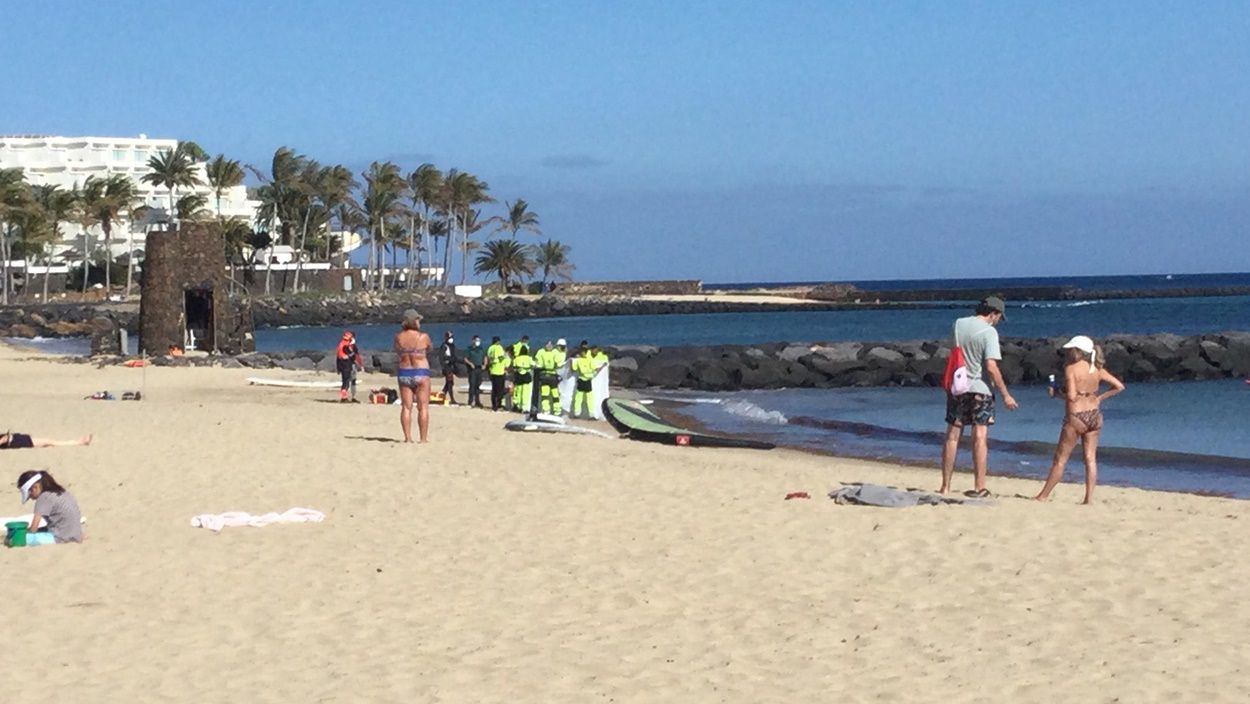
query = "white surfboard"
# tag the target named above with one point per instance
(530, 426)
(290, 383)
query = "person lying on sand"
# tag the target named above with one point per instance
(18, 441)
(56, 510)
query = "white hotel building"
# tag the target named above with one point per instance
(69, 161)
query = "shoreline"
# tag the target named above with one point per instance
(673, 410)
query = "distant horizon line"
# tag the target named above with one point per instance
(812, 282)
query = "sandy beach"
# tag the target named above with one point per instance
(499, 567)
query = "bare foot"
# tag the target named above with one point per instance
(1039, 497)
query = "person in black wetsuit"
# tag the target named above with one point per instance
(447, 357)
(347, 360)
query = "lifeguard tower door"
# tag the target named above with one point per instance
(199, 315)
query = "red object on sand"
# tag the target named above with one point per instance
(797, 495)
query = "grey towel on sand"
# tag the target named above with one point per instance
(893, 497)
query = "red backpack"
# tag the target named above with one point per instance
(955, 378)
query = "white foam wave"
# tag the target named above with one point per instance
(1063, 304)
(750, 411)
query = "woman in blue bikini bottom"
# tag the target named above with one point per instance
(412, 377)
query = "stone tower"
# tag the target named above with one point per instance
(185, 297)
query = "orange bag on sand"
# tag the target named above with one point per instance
(134, 363)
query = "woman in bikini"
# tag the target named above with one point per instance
(1083, 375)
(413, 347)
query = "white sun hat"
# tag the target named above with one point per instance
(1086, 345)
(25, 488)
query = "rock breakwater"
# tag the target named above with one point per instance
(1137, 358)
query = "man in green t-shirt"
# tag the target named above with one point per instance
(977, 337)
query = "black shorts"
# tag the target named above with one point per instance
(970, 409)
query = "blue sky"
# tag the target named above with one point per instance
(717, 140)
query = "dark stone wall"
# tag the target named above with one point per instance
(327, 281)
(175, 262)
(1134, 358)
(1147, 358)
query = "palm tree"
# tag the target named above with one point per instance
(426, 183)
(33, 233)
(191, 208)
(519, 217)
(324, 189)
(174, 168)
(139, 217)
(15, 201)
(235, 235)
(279, 192)
(351, 219)
(279, 196)
(384, 187)
(59, 206)
(504, 258)
(304, 208)
(105, 200)
(461, 191)
(223, 174)
(553, 257)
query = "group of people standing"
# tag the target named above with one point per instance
(534, 377)
(520, 380)
(972, 401)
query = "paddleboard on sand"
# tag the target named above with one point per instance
(292, 384)
(638, 422)
(534, 426)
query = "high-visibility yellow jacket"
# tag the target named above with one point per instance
(522, 364)
(584, 367)
(498, 359)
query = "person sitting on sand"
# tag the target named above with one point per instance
(1083, 375)
(413, 348)
(55, 518)
(18, 441)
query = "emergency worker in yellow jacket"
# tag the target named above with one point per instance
(584, 370)
(522, 380)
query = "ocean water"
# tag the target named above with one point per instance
(1184, 436)
(1184, 316)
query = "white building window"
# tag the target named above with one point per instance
(119, 155)
(139, 155)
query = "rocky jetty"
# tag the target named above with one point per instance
(823, 365)
(1145, 358)
(64, 319)
(445, 307)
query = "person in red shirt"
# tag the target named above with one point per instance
(347, 360)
